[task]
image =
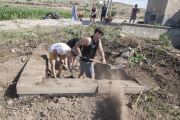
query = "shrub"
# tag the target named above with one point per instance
(113, 13)
(84, 8)
(165, 39)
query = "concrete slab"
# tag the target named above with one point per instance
(71, 86)
(33, 72)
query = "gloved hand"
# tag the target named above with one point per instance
(58, 59)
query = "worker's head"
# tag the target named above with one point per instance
(98, 33)
(94, 5)
(76, 3)
(104, 5)
(136, 5)
(74, 52)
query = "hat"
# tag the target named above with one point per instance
(136, 5)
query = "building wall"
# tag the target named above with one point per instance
(172, 14)
(157, 7)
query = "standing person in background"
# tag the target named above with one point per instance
(74, 13)
(93, 14)
(103, 13)
(133, 13)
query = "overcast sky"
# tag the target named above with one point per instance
(141, 3)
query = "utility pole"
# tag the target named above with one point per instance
(107, 9)
(110, 8)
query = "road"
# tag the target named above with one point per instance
(27, 23)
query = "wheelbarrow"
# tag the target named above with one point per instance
(80, 16)
(107, 20)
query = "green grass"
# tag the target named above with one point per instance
(10, 13)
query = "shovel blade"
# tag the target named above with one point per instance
(117, 66)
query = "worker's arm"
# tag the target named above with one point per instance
(138, 10)
(85, 41)
(101, 51)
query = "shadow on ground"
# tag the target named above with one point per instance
(11, 90)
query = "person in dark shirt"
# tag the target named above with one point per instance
(133, 13)
(72, 60)
(90, 45)
(103, 13)
(93, 14)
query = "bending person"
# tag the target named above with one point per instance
(62, 51)
(72, 59)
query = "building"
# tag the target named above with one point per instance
(163, 12)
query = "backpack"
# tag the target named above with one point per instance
(51, 16)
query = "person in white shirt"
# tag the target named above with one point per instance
(62, 51)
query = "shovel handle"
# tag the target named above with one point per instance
(95, 60)
(90, 59)
(67, 68)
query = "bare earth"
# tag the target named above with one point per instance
(100, 107)
(75, 107)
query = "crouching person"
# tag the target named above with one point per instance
(62, 51)
(72, 60)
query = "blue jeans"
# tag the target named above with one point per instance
(102, 15)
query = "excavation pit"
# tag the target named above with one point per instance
(112, 84)
(33, 80)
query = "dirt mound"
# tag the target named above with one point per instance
(105, 72)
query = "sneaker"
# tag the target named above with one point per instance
(54, 77)
(74, 67)
(71, 70)
(60, 76)
(65, 68)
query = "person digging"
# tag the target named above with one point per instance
(90, 45)
(62, 51)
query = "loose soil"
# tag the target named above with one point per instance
(159, 67)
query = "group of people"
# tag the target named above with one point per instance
(78, 48)
(74, 16)
(103, 13)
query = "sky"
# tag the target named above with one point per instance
(141, 3)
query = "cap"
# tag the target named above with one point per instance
(136, 5)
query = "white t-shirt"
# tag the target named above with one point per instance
(61, 48)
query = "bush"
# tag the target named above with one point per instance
(113, 13)
(165, 39)
(84, 8)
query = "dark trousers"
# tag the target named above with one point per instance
(102, 15)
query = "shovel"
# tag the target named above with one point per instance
(112, 67)
(72, 75)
